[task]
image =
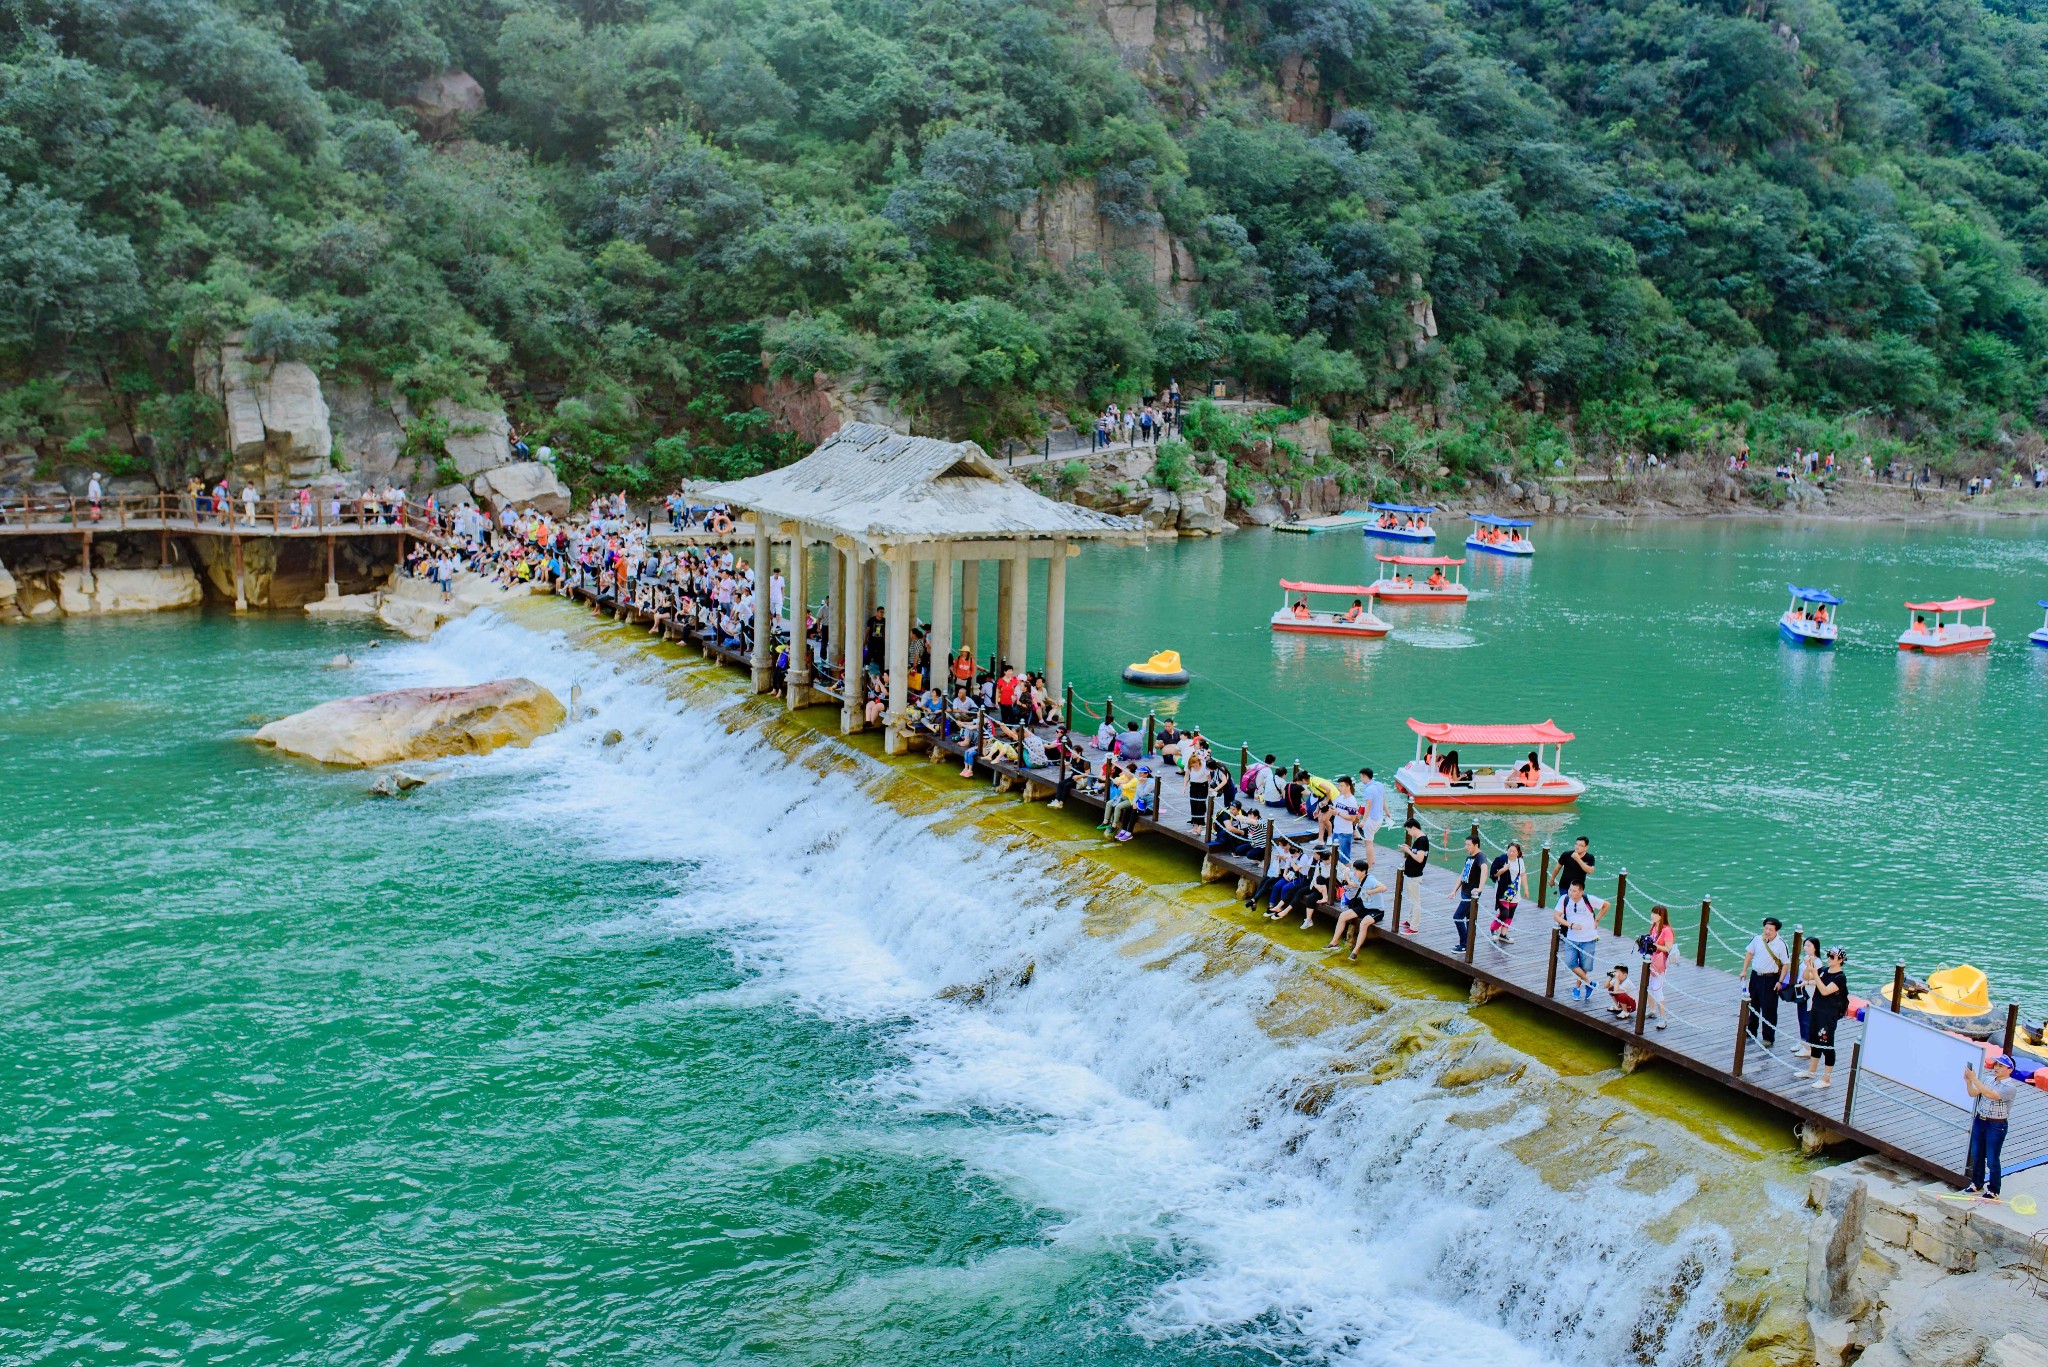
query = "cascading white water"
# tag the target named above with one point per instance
(1118, 1073)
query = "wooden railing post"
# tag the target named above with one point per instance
(1070, 707)
(1855, 1068)
(1741, 1034)
(1150, 720)
(1543, 878)
(1898, 988)
(1109, 710)
(1699, 958)
(1550, 973)
(2012, 1026)
(1643, 997)
(1266, 864)
(1620, 900)
(1400, 886)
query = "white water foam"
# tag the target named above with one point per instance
(1134, 1092)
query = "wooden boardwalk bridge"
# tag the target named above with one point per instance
(181, 516)
(1707, 1006)
(201, 516)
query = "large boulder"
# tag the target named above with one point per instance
(369, 422)
(442, 101)
(274, 417)
(110, 591)
(419, 723)
(523, 484)
(478, 438)
(1202, 507)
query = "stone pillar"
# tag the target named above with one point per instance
(764, 623)
(970, 605)
(241, 598)
(1006, 592)
(942, 618)
(1017, 620)
(835, 601)
(799, 678)
(333, 587)
(852, 624)
(1056, 619)
(902, 586)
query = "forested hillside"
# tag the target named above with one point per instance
(1541, 228)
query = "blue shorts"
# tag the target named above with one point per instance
(1579, 954)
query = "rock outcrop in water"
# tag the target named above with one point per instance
(1898, 1277)
(419, 723)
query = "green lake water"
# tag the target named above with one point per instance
(1894, 803)
(644, 1053)
(676, 1051)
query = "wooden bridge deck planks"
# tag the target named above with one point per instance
(1703, 1002)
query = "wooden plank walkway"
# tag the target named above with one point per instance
(1704, 1003)
(174, 513)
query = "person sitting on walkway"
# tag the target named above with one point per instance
(1105, 735)
(1992, 1088)
(1362, 910)
(1239, 833)
(1123, 797)
(1622, 1002)
(1272, 787)
(1287, 872)
(1169, 741)
(1130, 746)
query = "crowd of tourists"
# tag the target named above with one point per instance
(1155, 419)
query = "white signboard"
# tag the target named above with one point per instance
(1919, 1056)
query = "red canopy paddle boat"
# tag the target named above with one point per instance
(1394, 587)
(1296, 617)
(1436, 777)
(1948, 638)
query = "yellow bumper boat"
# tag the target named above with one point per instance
(1957, 999)
(1163, 670)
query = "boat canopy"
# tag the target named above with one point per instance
(1400, 507)
(1429, 560)
(1955, 605)
(1450, 733)
(1489, 520)
(1296, 586)
(1821, 596)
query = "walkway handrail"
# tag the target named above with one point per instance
(167, 511)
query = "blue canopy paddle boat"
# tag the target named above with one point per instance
(1499, 535)
(1810, 620)
(1401, 522)
(2040, 638)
